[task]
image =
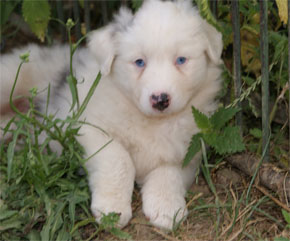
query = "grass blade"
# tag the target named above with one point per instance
(88, 97)
(11, 148)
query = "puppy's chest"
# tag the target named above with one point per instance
(153, 145)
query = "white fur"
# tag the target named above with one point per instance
(148, 145)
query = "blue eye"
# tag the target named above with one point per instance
(180, 60)
(140, 63)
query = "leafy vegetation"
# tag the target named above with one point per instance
(286, 216)
(49, 191)
(37, 15)
(44, 195)
(251, 74)
(223, 139)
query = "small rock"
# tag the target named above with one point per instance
(226, 176)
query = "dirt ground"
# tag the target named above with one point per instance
(230, 218)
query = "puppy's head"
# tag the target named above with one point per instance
(160, 57)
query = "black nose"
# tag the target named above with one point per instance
(161, 101)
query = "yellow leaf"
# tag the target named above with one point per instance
(249, 54)
(283, 10)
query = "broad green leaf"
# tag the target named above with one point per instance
(286, 216)
(234, 138)
(10, 223)
(37, 15)
(136, 4)
(222, 116)
(255, 132)
(228, 141)
(212, 140)
(201, 120)
(7, 214)
(193, 148)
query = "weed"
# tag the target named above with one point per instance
(222, 139)
(44, 194)
(286, 216)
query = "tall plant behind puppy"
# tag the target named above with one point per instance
(155, 65)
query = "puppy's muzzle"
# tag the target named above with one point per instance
(160, 101)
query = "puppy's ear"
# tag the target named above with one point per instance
(185, 5)
(102, 41)
(101, 44)
(214, 43)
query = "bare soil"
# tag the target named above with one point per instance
(232, 219)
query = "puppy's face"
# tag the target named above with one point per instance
(161, 57)
(160, 73)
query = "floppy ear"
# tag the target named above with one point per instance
(185, 5)
(214, 43)
(101, 44)
(102, 41)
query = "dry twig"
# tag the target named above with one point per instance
(269, 175)
(265, 192)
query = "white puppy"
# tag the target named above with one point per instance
(155, 65)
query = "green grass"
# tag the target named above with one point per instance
(44, 194)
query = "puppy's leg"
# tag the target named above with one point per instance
(163, 195)
(111, 177)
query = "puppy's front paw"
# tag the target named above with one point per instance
(104, 206)
(163, 211)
